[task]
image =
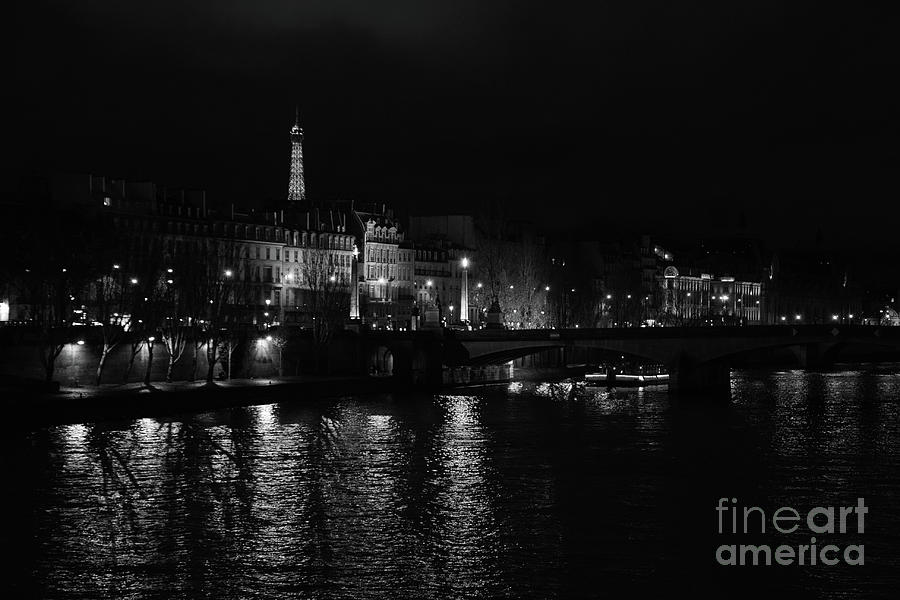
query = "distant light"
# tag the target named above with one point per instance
(64, 270)
(151, 339)
(381, 280)
(798, 317)
(629, 296)
(268, 338)
(783, 318)
(451, 308)
(134, 280)
(576, 325)
(80, 342)
(479, 285)
(834, 317)
(429, 282)
(228, 272)
(332, 278)
(850, 315)
(265, 314)
(465, 263)
(168, 270)
(115, 266)
(268, 302)
(688, 294)
(169, 281)
(609, 296)
(546, 288)
(512, 287)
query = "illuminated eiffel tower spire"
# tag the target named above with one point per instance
(296, 184)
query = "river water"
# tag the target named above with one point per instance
(530, 490)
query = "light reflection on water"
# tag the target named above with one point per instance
(531, 490)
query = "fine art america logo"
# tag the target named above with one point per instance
(827, 521)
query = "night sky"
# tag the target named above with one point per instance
(646, 114)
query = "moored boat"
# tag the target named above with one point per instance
(626, 379)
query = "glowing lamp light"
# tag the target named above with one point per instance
(115, 266)
(169, 281)
(480, 285)
(546, 288)
(332, 279)
(850, 315)
(151, 339)
(834, 317)
(168, 270)
(268, 338)
(429, 283)
(512, 287)
(80, 342)
(797, 317)
(381, 280)
(609, 296)
(268, 302)
(228, 273)
(134, 280)
(465, 263)
(783, 318)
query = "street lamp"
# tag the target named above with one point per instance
(228, 273)
(464, 295)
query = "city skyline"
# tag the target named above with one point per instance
(524, 108)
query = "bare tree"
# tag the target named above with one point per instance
(50, 293)
(328, 297)
(217, 295)
(110, 302)
(57, 269)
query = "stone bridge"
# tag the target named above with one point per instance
(697, 357)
